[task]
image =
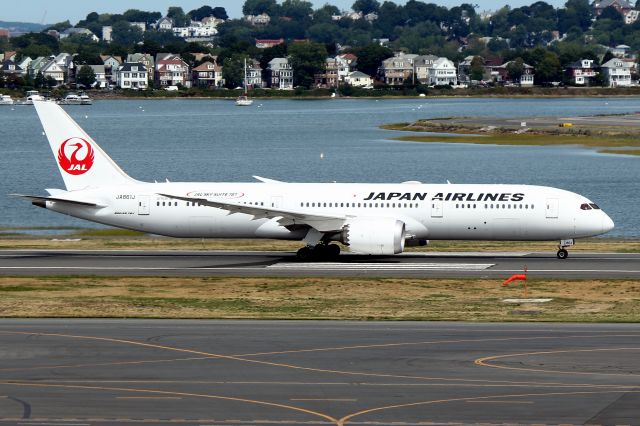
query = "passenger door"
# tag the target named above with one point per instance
(436, 208)
(552, 208)
(143, 205)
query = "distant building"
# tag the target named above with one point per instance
(526, 79)
(421, 65)
(280, 74)
(620, 51)
(36, 66)
(359, 79)
(4, 33)
(141, 25)
(132, 75)
(53, 70)
(171, 70)
(78, 31)
(164, 23)
(581, 72)
(622, 6)
(145, 59)
(101, 76)
(616, 73)
(254, 74)
(631, 16)
(262, 19)
(10, 68)
(395, 70)
(208, 74)
(267, 43)
(107, 31)
(111, 64)
(443, 72)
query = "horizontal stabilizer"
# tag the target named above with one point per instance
(58, 200)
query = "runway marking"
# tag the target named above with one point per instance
(485, 362)
(500, 402)
(345, 419)
(169, 393)
(101, 364)
(319, 370)
(324, 399)
(321, 266)
(148, 397)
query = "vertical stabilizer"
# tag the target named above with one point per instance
(82, 163)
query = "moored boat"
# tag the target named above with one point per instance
(6, 100)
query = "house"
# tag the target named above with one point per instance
(107, 31)
(395, 70)
(421, 65)
(616, 73)
(171, 70)
(443, 72)
(280, 74)
(36, 66)
(631, 16)
(262, 19)
(145, 59)
(581, 72)
(464, 69)
(10, 68)
(267, 43)
(359, 79)
(254, 74)
(207, 74)
(111, 64)
(132, 75)
(54, 70)
(165, 23)
(622, 6)
(10, 55)
(78, 31)
(141, 25)
(211, 21)
(24, 64)
(4, 33)
(101, 76)
(525, 80)
(620, 51)
(329, 75)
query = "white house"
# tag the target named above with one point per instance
(616, 73)
(262, 19)
(254, 74)
(581, 72)
(101, 76)
(359, 79)
(53, 70)
(421, 66)
(280, 74)
(107, 31)
(132, 76)
(165, 23)
(442, 72)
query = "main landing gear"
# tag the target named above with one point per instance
(319, 252)
(562, 248)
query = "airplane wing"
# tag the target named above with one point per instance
(267, 180)
(59, 200)
(322, 223)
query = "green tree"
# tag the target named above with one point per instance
(233, 71)
(180, 19)
(612, 14)
(86, 76)
(548, 69)
(298, 10)
(39, 81)
(476, 69)
(515, 69)
(126, 34)
(258, 7)
(370, 57)
(307, 59)
(366, 6)
(135, 15)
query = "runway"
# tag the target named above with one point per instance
(127, 372)
(279, 264)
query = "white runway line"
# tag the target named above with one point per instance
(323, 266)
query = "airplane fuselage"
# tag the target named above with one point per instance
(429, 211)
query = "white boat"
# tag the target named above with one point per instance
(71, 99)
(31, 95)
(244, 100)
(6, 100)
(85, 99)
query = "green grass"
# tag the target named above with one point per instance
(111, 232)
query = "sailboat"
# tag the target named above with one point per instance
(243, 100)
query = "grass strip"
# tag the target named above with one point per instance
(317, 298)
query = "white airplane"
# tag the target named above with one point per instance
(376, 219)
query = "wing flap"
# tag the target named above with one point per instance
(285, 217)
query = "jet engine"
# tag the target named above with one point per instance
(374, 235)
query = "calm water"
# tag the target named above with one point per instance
(205, 140)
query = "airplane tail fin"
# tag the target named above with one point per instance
(82, 163)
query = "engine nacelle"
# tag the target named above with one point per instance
(375, 235)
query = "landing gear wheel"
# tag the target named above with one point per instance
(562, 254)
(333, 250)
(304, 254)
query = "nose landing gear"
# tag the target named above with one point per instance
(562, 248)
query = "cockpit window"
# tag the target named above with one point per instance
(595, 206)
(585, 206)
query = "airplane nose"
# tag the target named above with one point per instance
(607, 223)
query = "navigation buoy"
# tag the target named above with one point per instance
(322, 155)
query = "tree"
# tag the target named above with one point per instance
(233, 71)
(201, 13)
(180, 19)
(476, 69)
(126, 34)
(370, 57)
(39, 81)
(135, 15)
(258, 7)
(366, 6)
(307, 59)
(220, 13)
(515, 69)
(549, 68)
(298, 10)
(86, 76)
(611, 13)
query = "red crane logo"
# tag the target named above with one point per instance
(72, 164)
